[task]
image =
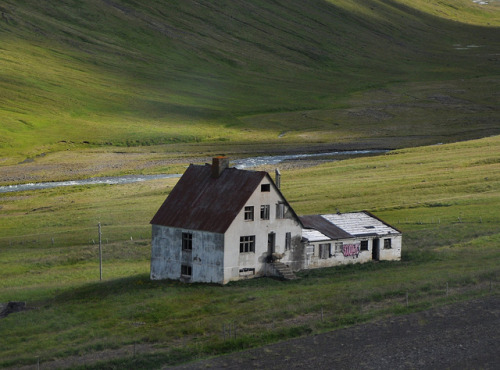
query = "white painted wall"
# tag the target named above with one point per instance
(233, 259)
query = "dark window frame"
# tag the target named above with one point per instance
(247, 244)
(265, 188)
(364, 245)
(265, 211)
(186, 270)
(249, 213)
(388, 243)
(187, 241)
(288, 240)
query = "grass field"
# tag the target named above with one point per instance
(121, 74)
(105, 88)
(444, 198)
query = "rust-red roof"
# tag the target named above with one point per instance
(201, 202)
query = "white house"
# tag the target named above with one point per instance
(220, 224)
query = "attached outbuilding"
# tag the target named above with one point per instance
(343, 238)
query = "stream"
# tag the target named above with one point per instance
(127, 179)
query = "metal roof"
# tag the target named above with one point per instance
(324, 227)
(344, 225)
(202, 202)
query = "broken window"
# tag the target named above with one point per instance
(364, 245)
(187, 241)
(338, 247)
(264, 212)
(387, 243)
(247, 244)
(324, 251)
(265, 187)
(288, 241)
(280, 210)
(249, 213)
(247, 271)
(186, 270)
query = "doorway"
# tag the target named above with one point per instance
(271, 244)
(376, 249)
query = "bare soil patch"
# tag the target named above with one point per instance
(463, 335)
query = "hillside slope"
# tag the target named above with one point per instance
(119, 72)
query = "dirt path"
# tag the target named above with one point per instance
(464, 335)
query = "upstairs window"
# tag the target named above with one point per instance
(247, 244)
(364, 245)
(187, 241)
(387, 243)
(280, 210)
(265, 188)
(264, 212)
(249, 213)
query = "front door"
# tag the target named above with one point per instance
(376, 249)
(271, 243)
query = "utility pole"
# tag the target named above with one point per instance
(100, 252)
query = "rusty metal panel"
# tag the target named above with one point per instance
(202, 202)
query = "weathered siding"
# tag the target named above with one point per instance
(234, 261)
(394, 253)
(206, 258)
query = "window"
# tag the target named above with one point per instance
(247, 244)
(265, 188)
(186, 270)
(338, 247)
(387, 244)
(324, 251)
(247, 271)
(280, 210)
(364, 245)
(288, 241)
(264, 212)
(249, 213)
(187, 241)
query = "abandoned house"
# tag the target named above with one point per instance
(220, 224)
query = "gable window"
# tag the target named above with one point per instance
(324, 251)
(338, 247)
(265, 188)
(364, 245)
(249, 213)
(187, 241)
(247, 244)
(288, 241)
(186, 270)
(264, 212)
(387, 243)
(280, 210)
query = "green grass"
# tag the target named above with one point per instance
(444, 199)
(186, 72)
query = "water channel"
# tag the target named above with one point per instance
(244, 163)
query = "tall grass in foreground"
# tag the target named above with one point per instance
(445, 199)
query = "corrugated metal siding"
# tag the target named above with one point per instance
(201, 202)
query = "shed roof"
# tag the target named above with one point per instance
(201, 202)
(344, 225)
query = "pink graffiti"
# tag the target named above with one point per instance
(351, 250)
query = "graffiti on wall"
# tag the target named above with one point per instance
(351, 250)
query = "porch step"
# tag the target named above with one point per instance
(284, 271)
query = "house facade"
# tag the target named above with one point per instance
(220, 224)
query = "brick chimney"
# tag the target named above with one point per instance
(219, 164)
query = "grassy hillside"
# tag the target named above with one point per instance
(122, 73)
(444, 198)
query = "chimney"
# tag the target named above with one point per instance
(219, 164)
(278, 178)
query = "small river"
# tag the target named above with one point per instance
(239, 163)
